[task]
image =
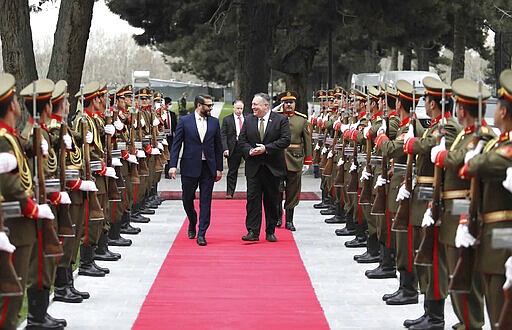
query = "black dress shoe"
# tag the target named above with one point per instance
(128, 229)
(65, 294)
(404, 298)
(356, 242)
(380, 273)
(279, 222)
(329, 211)
(335, 219)
(101, 269)
(251, 237)
(62, 322)
(428, 323)
(121, 241)
(90, 270)
(146, 211)
(321, 205)
(290, 226)
(139, 218)
(408, 323)
(191, 232)
(83, 294)
(368, 259)
(201, 241)
(387, 296)
(345, 232)
(271, 238)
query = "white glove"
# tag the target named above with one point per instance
(135, 123)
(116, 162)
(305, 168)
(155, 151)
(472, 153)
(463, 237)
(156, 122)
(110, 129)
(427, 218)
(118, 124)
(409, 134)
(354, 125)
(8, 162)
(88, 137)
(160, 146)
(380, 182)
(508, 181)
(317, 147)
(437, 149)
(111, 172)
(365, 175)
(383, 128)
(44, 212)
(133, 159)
(142, 122)
(67, 141)
(367, 129)
(44, 147)
(87, 185)
(5, 244)
(352, 168)
(340, 161)
(141, 154)
(403, 193)
(164, 142)
(329, 155)
(508, 274)
(343, 128)
(64, 198)
(324, 150)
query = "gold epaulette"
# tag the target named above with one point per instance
(23, 169)
(54, 123)
(301, 114)
(490, 144)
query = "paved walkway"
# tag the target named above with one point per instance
(349, 299)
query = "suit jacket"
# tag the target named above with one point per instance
(174, 123)
(228, 132)
(188, 135)
(276, 139)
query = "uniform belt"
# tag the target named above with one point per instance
(295, 145)
(425, 179)
(453, 194)
(497, 216)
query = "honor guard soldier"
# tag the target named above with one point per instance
(496, 203)
(318, 137)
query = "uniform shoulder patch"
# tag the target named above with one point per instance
(505, 151)
(301, 114)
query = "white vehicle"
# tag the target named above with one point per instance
(361, 80)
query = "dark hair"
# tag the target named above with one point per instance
(472, 109)
(39, 105)
(437, 99)
(56, 106)
(391, 102)
(200, 99)
(407, 104)
(4, 106)
(264, 96)
(507, 105)
(167, 100)
(238, 100)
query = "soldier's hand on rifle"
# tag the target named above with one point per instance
(344, 128)
(8, 162)
(305, 168)
(409, 134)
(508, 274)
(67, 141)
(380, 182)
(116, 162)
(5, 244)
(352, 168)
(132, 159)
(44, 147)
(462, 236)
(341, 161)
(88, 137)
(142, 122)
(383, 128)
(141, 154)
(111, 172)
(366, 130)
(64, 198)
(330, 154)
(403, 193)
(427, 218)
(164, 142)
(437, 149)
(118, 124)
(110, 129)
(317, 147)
(160, 146)
(365, 175)
(88, 185)
(44, 212)
(507, 183)
(155, 151)
(156, 122)
(472, 153)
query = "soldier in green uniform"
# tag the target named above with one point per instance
(298, 155)
(433, 279)
(469, 307)
(496, 201)
(318, 150)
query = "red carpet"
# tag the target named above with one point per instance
(176, 195)
(231, 284)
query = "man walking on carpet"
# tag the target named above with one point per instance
(201, 162)
(263, 139)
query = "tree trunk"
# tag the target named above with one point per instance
(298, 82)
(423, 58)
(255, 22)
(394, 59)
(406, 65)
(70, 44)
(459, 46)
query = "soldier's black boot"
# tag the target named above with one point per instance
(62, 290)
(350, 226)
(324, 203)
(38, 301)
(136, 215)
(409, 293)
(71, 283)
(409, 323)
(331, 210)
(114, 234)
(387, 296)
(143, 209)
(434, 319)
(102, 252)
(126, 227)
(361, 238)
(372, 251)
(86, 266)
(339, 216)
(386, 268)
(289, 219)
(98, 267)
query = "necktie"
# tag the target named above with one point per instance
(240, 122)
(262, 128)
(202, 128)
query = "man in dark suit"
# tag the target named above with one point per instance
(170, 123)
(263, 139)
(201, 162)
(231, 127)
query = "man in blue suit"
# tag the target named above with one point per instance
(201, 162)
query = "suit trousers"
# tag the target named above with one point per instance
(263, 186)
(189, 186)
(234, 161)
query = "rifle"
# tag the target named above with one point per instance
(95, 210)
(461, 279)
(112, 189)
(401, 222)
(134, 174)
(63, 217)
(366, 191)
(425, 255)
(154, 143)
(380, 201)
(9, 281)
(143, 166)
(353, 185)
(51, 243)
(119, 181)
